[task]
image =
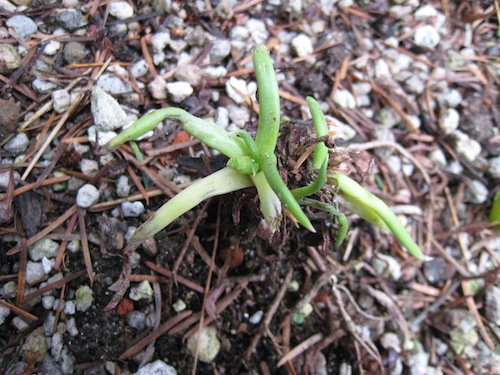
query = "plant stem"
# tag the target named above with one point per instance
(207, 132)
(367, 205)
(285, 195)
(269, 101)
(221, 182)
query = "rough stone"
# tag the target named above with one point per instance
(344, 99)
(74, 53)
(209, 345)
(70, 19)
(22, 25)
(108, 115)
(35, 347)
(159, 41)
(61, 100)
(87, 196)
(121, 10)
(132, 209)
(220, 50)
(158, 88)
(122, 187)
(189, 73)
(179, 91)
(84, 298)
(9, 116)
(476, 192)
(113, 85)
(18, 144)
(34, 271)
(42, 86)
(302, 45)
(141, 291)
(9, 59)
(450, 120)
(43, 248)
(426, 36)
(157, 367)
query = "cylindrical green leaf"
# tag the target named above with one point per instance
(319, 120)
(269, 101)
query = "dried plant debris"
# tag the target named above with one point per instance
(410, 93)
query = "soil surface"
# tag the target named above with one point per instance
(410, 90)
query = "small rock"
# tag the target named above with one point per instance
(451, 98)
(48, 302)
(89, 167)
(438, 270)
(220, 50)
(157, 367)
(42, 86)
(466, 147)
(4, 313)
(476, 192)
(9, 59)
(132, 209)
(34, 271)
(234, 86)
(70, 19)
(494, 167)
(238, 115)
(302, 45)
(426, 36)
(189, 73)
(99, 136)
(179, 91)
(35, 346)
(493, 305)
(19, 324)
(239, 33)
(139, 69)
(22, 25)
(71, 326)
(84, 299)
(141, 291)
(257, 317)
(159, 41)
(43, 248)
(87, 196)
(222, 117)
(61, 100)
(57, 346)
(388, 117)
(158, 88)
(382, 69)
(179, 305)
(257, 29)
(390, 340)
(5, 179)
(51, 48)
(122, 187)
(425, 12)
(18, 144)
(113, 85)
(108, 115)
(414, 85)
(70, 307)
(9, 116)
(450, 120)
(74, 53)
(209, 345)
(344, 99)
(121, 10)
(136, 320)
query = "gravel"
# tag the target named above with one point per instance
(401, 57)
